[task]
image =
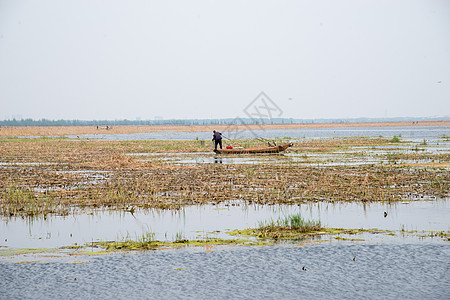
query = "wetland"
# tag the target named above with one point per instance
(175, 205)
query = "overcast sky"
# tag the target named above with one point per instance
(111, 59)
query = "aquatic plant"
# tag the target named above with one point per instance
(147, 237)
(292, 222)
(145, 244)
(296, 222)
(179, 237)
(287, 227)
(42, 176)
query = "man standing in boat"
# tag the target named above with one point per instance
(217, 138)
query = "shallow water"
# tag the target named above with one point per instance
(324, 271)
(194, 222)
(360, 155)
(414, 132)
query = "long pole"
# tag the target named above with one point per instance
(232, 141)
(266, 140)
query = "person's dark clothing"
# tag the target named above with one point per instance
(217, 138)
(217, 142)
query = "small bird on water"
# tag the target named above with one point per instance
(385, 214)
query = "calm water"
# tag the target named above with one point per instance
(324, 271)
(405, 132)
(359, 155)
(210, 221)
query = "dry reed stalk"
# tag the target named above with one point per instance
(99, 174)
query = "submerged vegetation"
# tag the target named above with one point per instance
(130, 245)
(147, 241)
(290, 229)
(56, 176)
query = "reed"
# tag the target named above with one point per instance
(42, 176)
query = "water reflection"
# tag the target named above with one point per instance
(354, 156)
(413, 132)
(205, 221)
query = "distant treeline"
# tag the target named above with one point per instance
(46, 122)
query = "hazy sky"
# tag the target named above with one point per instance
(92, 59)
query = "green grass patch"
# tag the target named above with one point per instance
(395, 139)
(287, 227)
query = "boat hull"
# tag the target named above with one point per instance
(273, 149)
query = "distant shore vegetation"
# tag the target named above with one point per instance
(224, 121)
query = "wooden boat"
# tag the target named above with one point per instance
(272, 149)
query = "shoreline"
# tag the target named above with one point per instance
(128, 129)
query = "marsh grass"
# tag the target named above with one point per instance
(20, 201)
(296, 222)
(147, 241)
(42, 176)
(147, 237)
(287, 227)
(395, 139)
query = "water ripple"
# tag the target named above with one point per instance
(346, 271)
